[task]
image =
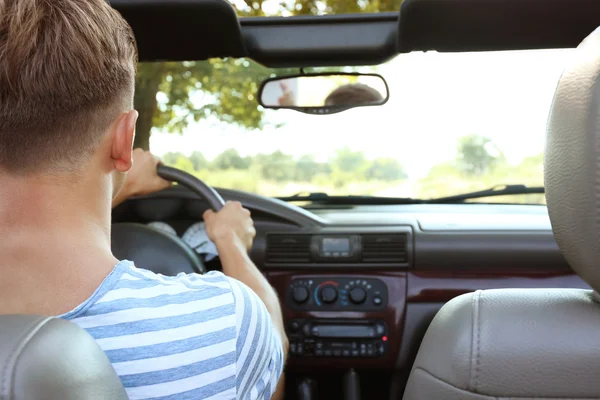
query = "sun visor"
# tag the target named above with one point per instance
(180, 30)
(493, 25)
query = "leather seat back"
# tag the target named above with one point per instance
(525, 343)
(511, 344)
(51, 359)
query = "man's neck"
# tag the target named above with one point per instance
(54, 241)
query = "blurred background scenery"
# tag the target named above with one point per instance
(454, 122)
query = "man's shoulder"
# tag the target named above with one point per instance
(131, 294)
(131, 272)
(161, 332)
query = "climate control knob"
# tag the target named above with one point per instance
(328, 294)
(300, 294)
(358, 295)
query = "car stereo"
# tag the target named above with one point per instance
(337, 338)
(340, 248)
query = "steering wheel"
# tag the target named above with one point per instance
(209, 194)
(156, 250)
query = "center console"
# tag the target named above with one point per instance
(342, 320)
(337, 294)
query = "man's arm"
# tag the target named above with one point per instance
(237, 264)
(232, 231)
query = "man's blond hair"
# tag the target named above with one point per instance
(66, 72)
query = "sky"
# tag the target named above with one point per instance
(435, 98)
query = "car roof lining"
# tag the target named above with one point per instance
(184, 30)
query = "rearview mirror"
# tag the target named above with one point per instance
(326, 93)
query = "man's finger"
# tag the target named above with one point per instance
(208, 214)
(164, 183)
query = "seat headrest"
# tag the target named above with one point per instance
(52, 359)
(572, 161)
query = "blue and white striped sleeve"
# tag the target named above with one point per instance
(259, 349)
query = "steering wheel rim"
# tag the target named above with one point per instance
(208, 193)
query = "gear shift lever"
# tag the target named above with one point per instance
(351, 385)
(307, 390)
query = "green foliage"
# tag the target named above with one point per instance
(198, 161)
(307, 168)
(349, 161)
(277, 167)
(281, 174)
(475, 156)
(386, 169)
(230, 159)
(476, 168)
(350, 172)
(170, 95)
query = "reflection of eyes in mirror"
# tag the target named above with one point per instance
(324, 91)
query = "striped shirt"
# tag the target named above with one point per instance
(185, 337)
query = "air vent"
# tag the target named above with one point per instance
(288, 249)
(384, 248)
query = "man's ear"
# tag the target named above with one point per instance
(122, 144)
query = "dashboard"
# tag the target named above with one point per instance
(359, 284)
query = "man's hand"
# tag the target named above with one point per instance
(142, 178)
(231, 224)
(287, 96)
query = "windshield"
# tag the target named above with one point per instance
(455, 122)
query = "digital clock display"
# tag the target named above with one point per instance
(335, 246)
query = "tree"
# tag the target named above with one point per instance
(171, 158)
(198, 160)
(475, 155)
(307, 168)
(277, 166)
(184, 164)
(386, 169)
(230, 159)
(170, 95)
(349, 161)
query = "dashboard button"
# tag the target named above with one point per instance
(358, 295)
(300, 294)
(355, 353)
(346, 353)
(306, 329)
(328, 294)
(319, 353)
(380, 329)
(328, 353)
(337, 353)
(294, 326)
(377, 301)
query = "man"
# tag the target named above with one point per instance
(353, 94)
(66, 133)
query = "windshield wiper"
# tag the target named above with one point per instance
(501, 190)
(324, 198)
